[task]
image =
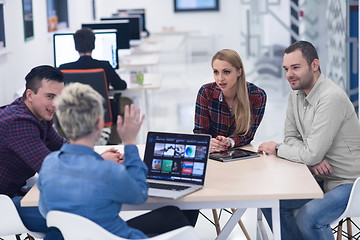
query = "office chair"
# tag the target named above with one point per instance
(76, 227)
(11, 223)
(96, 78)
(352, 210)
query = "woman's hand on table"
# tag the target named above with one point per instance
(219, 144)
(113, 154)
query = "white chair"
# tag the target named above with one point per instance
(352, 210)
(76, 227)
(11, 223)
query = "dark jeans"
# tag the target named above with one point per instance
(163, 220)
(35, 222)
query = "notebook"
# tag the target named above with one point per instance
(176, 162)
(233, 154)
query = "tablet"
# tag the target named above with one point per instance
(233, 155)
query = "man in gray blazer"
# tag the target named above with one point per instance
(322, 131)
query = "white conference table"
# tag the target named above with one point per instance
(252, 183)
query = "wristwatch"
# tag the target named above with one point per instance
(232, 142)
(277, 147)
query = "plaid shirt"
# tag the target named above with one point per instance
(213, 116)
(24, 143)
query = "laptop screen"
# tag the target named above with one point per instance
(177, 157)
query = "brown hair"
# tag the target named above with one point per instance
(307, 49)
(241, 104)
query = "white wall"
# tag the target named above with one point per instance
(226, 25)
(22, 56)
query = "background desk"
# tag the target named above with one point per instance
(252, 183)
(147, 48)
(140, 96)
(151, 81)
(140, 62)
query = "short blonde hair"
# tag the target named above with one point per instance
(79, 107)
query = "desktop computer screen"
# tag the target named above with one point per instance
(131, 12)
(122, 27)
(135, 25)
(105, 48)
(196, 5)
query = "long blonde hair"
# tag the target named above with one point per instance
(241, 104)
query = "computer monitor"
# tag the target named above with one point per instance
(122, 27)
(135, 25)
(105, 48)
(133, 11)
(196, 5)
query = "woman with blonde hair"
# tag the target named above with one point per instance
(229, 109)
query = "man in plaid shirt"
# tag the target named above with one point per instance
(27, 137)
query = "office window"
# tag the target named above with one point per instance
(28, 19)
(2, 27)
(57, 15)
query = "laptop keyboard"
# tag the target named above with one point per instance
(167, 186)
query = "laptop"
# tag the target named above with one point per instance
(176, 162)
(233, 155)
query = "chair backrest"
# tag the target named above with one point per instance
(96, 78)
(75, 227)
(11, 223)
(353, 206)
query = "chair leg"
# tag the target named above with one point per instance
(349, 229)
(242, 226)
(216, 221)
(339, 233)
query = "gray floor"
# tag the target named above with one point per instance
(171, 108)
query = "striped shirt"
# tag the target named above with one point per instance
(213, 116)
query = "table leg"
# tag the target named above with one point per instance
(235, 217)
(260, 229)
(147, 107)
(276, 221)
(242, 226)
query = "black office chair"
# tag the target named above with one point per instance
(96, 78)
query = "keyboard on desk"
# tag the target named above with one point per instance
(167, 186)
